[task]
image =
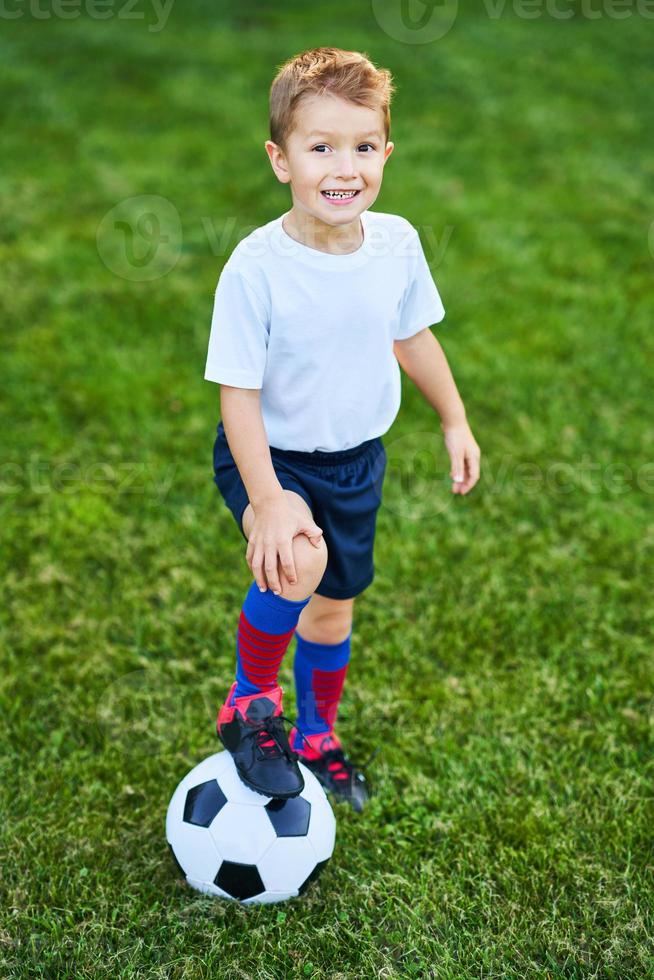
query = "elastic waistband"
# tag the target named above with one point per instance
(319, 456)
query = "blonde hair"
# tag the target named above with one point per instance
(348, 74)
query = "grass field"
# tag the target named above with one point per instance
(503, 656)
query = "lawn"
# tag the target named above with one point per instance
(502, 658)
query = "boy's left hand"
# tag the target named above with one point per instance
(464, 455)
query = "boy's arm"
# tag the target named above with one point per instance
(271, 539)
(240, 410)
(421, 357)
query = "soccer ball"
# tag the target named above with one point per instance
(233, 843)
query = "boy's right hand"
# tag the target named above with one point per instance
(275, 525)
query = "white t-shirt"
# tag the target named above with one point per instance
(314, 331)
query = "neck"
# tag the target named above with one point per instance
(310, 231)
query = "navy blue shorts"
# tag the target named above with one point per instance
(344, 492)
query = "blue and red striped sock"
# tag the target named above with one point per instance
(266, 625)
(319, 670)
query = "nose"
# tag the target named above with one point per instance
(346, 166)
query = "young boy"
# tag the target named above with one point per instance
(312, 313)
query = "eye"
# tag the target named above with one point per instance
(323, 146)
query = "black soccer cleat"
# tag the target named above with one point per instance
(252, 732)
(342, 777)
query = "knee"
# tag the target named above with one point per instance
(329, 627)
(310, 563)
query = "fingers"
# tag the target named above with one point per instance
(312, 531)
(462, 485)
(270, 567)
(457, 471)
(466, 475)
(257, 568)
(262, 559)
(474, 467)
(287, 563)
(264, 568)
(269, 560)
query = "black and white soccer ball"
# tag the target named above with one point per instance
(237, 844)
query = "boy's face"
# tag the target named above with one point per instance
(335, 145)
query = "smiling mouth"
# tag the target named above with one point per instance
(340, 195)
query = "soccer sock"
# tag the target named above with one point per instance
(266, 625)
(319, 670)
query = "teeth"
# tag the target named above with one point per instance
(340, 193)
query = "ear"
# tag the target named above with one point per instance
(389, 149)
(278, 161)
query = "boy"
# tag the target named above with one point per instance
(312, 313)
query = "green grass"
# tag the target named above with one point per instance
(503, 655)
